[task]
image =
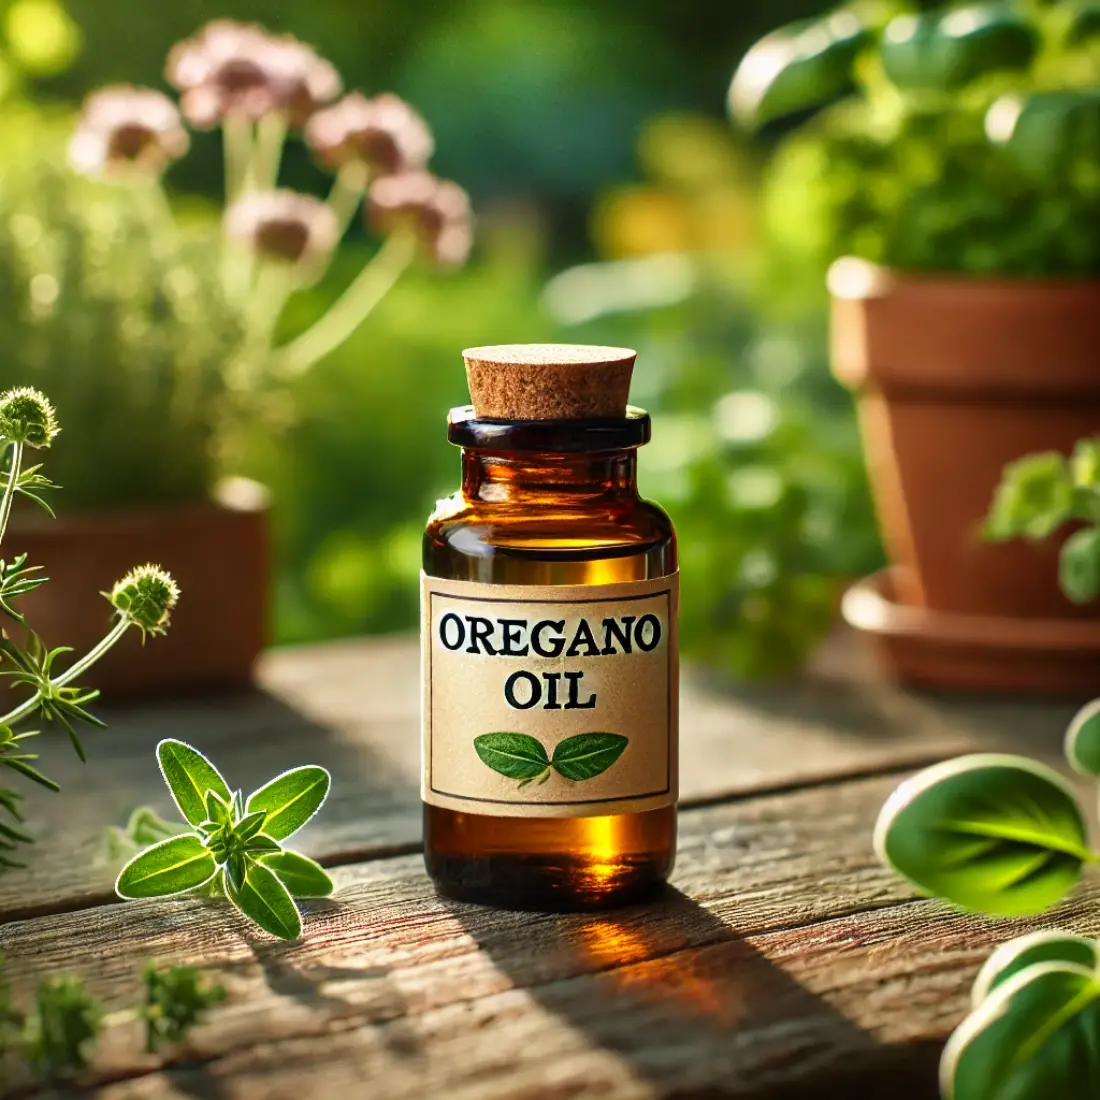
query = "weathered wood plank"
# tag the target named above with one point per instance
(353, 707)
(788, 964)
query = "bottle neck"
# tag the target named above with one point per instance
(573, 479)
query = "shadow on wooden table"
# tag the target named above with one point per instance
(692, 1008)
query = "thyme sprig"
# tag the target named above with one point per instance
(57, 1035)
(143, 600)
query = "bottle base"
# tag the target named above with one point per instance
(572, 881)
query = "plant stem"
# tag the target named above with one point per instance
(70, 674)
(237, 141)
(346, 194)
(346, 314)
(9, 488)
(268, 152)
(274, 285)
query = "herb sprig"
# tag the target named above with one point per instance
(233, 843)
(57, 1036)
(143, 600)
(1041, 493)
(1004, 835)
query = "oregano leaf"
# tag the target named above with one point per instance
(515, 755)
(1083, 740)
(1036, 1036)
(290, 800)
(1017, 955)
(1079, 566)
(586, 755)
(303, 877)
(249, 825)
(189, 776)
(172, 866)
(995, 833)
(265, 901)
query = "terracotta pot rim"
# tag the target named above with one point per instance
(236, 494)
(853, 278)
(870, 608)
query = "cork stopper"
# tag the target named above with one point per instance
(549, 381)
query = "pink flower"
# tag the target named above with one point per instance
(284, 226)
(122, 127)
(436, 211)
(242, 69)
(383, 133)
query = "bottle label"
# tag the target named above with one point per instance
(549, 701)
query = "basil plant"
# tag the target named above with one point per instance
(1004, 835)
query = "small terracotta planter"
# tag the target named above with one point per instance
(956, 377)
(217, 552)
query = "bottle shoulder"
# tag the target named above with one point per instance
(481, 528)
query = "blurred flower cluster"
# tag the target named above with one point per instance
(259, 88)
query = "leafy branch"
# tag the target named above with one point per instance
(143, 599)
(1004, 835)
(56, 1037)
(233, 844)
(1042, 492)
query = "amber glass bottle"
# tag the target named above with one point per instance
(550, 661)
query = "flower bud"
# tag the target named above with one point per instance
(145, 597)
(126, 129)
(241, 69)
(26, 416)
(384, 134)
(436, 212)
(284, 226)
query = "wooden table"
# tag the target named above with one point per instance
(783, 962)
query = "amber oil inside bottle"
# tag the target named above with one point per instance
(549, 503)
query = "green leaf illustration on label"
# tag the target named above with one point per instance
(587, 754)
(520, 756)
(515, 755)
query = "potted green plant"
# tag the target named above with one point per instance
(953, 195)
(126, 313)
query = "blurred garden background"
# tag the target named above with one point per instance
(615, 204)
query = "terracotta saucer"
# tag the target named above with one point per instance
(940, 649)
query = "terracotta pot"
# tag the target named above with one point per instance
(217, 552)
(941, 649)
(955, 378)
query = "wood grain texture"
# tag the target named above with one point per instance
(786, 963)
(354, 708)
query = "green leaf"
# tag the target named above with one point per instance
(512, 754)
(249, 825)
(1083, 740)
(146, 826)
(173, 866)
(998, 834)
(265, 900)
(1017, 955)
(1034, 498)
(1085, 461)
(260, 844)
(1079, 566)
(587, 754)
(217, 809)
(176, 999)
(189, 776)
(1085, 24)
(945, 51)
(1035, 1037)
(797, 66)
(290, 800)
(1046, 133)
(299, 874)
